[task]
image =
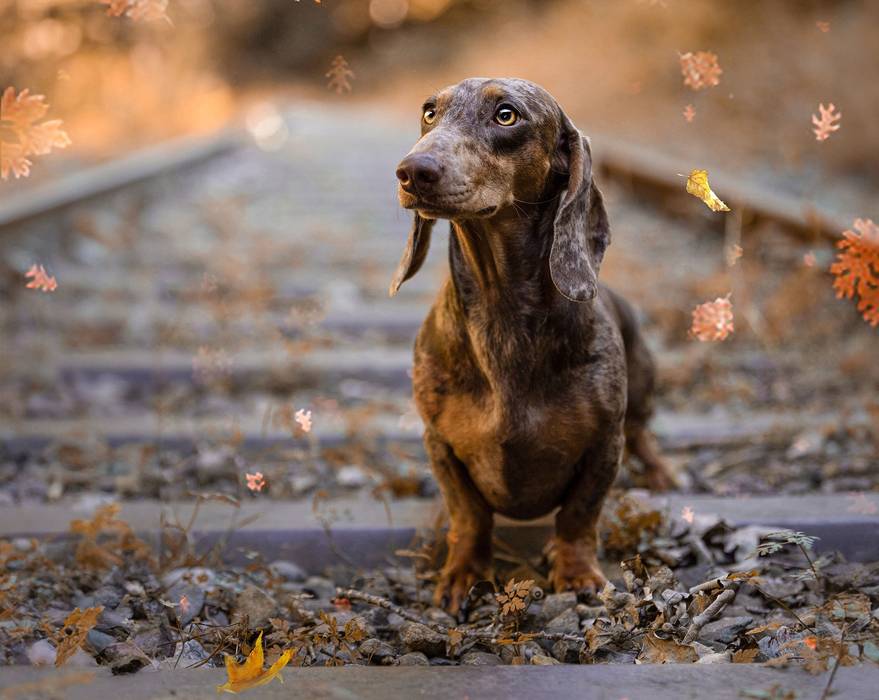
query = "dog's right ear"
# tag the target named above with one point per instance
(415, 253)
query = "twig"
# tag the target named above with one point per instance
(839, 655)
(484, 635)
(720, 602)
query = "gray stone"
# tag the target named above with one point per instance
(418, 637)
(254, 605)
(288, 571)
(481, 658)
(415, 658)
(726, 629)
(97, 641)
(567, 622)
(188, 599)
(542, 660)
(554, 605)
(719, 658)
(320, 587)
(376, 651)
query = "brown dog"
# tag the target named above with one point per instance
(529, 375)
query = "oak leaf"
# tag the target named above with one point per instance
(827, 122)
(856, 269)
(251, 674)
(697, 185)
(23, 135)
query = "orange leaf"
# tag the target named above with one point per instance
(700, 69)
(21, 136)
(77, 625)
(251, 674)
(713, 320)
(857, 268)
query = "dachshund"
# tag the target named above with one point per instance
(529, 375)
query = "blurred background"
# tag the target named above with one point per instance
(205, 307)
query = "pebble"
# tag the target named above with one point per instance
(41, 653)
(415, 658)
(567, 622)
(351, 476)
(554, 605)
(481, 658)
(288, 571)
(542, 660)
(719, 658)
(98, 641)
(726, 629)
(418, 637)
(376, 650)
(254, 605)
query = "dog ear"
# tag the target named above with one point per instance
(415, 253)
(581, 232)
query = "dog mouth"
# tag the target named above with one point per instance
(445, 207)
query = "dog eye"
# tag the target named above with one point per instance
(429, 115)
(506, 116)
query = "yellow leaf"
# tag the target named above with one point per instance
(250, 674)
(697, 185)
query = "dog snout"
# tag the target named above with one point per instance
(419, 171)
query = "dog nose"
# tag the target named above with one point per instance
(418, 170)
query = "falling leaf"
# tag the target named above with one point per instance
(250, 674)
(826, 124)
(857, 268)
(689, 113)
(809, 259)
(697, 185)
(255, 482)
(713, 320)
(700, 69)
(732, 254)
(40, 279)
(70, 637)
(688, 514)
(823, 27)
(303, 417)
(23, 135)
(340, 75)
(148, 10)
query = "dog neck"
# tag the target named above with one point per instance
(501, 294)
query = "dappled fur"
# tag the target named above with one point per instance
(530, 376)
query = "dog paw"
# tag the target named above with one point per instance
(455, 582)
(575, 567)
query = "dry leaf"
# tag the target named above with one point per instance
(697, 185)
(303, 417)
(700, 69)
(255, 482)
(713, 320)
(148, 10)
(823, 27)
(732, 254)
(688, 515)
(857, 268)
(514, 598)
(251, 674)
(340, 75)
(689, 113)
(665, 651)
(70, 637)
(22, 135)
(826, 124)
(40, 279)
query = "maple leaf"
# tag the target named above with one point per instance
(340, 75)
(713, 320)
(856, 268)
(697, 185)
(70, 637)
(23, 135)
(825, 125)
(40, 279)
(251, 674)
(255, 482)
(689, 113)
(303, 417)
(700, 69)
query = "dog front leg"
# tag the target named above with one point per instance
(470, 523)
(574, 549)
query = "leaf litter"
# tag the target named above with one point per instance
(685, 592)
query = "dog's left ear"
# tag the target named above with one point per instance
(581, 232)
(415, 253)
